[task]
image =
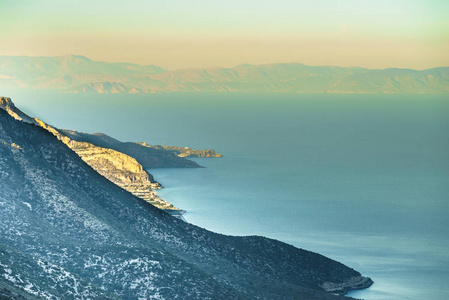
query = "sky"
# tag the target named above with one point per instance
(178, 34)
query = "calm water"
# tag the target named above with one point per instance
(363, 179)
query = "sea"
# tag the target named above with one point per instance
(360, 178)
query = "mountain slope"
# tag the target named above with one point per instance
(105, 88)
(118, 167)
(299, 78)
(64, 71)
(78, 74)
(57, 212)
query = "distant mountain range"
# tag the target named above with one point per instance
(79, 74)
(66, 232)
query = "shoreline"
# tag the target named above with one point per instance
(355, 283)
(147, 192)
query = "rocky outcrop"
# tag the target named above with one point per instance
(115, 166)
(7, 105)
(118, 167)
(354, 283)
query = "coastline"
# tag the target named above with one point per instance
(395, 238)
(355, 283)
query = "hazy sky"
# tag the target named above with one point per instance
(192, 33)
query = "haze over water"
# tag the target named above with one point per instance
(362, 179)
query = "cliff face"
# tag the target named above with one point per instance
(66, 232)
(148, 156)
(118, 167)
(7, 105)
(124, 164)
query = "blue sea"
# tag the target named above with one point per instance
(360, 178)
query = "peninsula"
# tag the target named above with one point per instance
(68, 232)
(185, 151)
(124, 164)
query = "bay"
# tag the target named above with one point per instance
(363, 179)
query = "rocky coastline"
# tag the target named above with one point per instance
(127, 170)
(185, 151)
(354, 283)
(68, 232)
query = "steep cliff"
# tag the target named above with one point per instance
(118, 167)
(148, 157)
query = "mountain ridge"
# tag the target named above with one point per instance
(78, 74)
(107, 156)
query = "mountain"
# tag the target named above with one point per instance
(119, 168)
(61, 72)
(78, 74)
(295, 77)
(105, 88)
(97, 150)
(67, 232)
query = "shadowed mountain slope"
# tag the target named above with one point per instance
(67, 232)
